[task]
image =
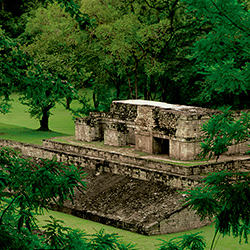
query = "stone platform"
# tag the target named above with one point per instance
(128, 189)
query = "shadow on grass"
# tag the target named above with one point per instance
(26, 135)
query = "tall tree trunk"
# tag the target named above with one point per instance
(44, 122)
(96, 102)
(68, 102)
(136, 77)
(128, 78)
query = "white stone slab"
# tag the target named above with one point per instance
(163, 105)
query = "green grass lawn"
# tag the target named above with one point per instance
(142, 242)
(18, 126)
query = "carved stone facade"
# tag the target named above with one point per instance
(152, 127)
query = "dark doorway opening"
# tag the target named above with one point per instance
(160, 146)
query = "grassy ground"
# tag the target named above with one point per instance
(142, 242)
(17, 125)
(23, 134)
(20, 127)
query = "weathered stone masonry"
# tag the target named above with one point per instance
(128, 192)
(132, 192)
(152, 127)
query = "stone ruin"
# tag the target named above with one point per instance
(151, 127)
(129, 190)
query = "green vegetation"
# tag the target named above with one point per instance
(179, 51)
(142, 242)
(222, 131)
(18, 126)
(222, 54)
(26, 188)
(60, 114)
(223, 197)
(26, 135)
(38, 89)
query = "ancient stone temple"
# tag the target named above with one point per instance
(148, 126)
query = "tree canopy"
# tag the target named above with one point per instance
(37, 88)
(222, 55)
(139, 48)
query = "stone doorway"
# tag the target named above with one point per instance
(160, 146)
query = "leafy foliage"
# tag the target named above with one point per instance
(26, 188)
(55, 233)
(185, 242)
(42, 92)
(74, 10)
(13, 15)
(10, 239)
(138, 49)
(125, 50)
(193, 242)
(37, 88)
(223, 130)
(35, 186)
(224, 198)
(222, 55)
(10, 60)
(55, 42)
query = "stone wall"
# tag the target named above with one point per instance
(143, 207)
(181, 219)
(116, 134)
(183, 170)
(90, 128)
(107, 162)
(128, 192)
(178, 176)
(153, 127)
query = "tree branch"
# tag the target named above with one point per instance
(227, 17)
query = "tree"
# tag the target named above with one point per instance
(41, 92)
(139, 48)
(37, 88)
(17, 68)
(27, 187)
(222, 55)
(55, 42)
